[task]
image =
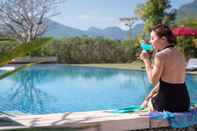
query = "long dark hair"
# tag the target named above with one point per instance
(163, 30)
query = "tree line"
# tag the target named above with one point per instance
(78, 50)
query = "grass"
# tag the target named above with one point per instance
(136, 65)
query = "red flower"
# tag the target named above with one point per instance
(184, 31)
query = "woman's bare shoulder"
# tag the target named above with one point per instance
(168, 53)
(161, 54)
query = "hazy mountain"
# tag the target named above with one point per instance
(93, 31)
(109, 32)
(187, 11)
(115, 32)
(58, 30)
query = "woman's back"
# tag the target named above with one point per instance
(174, 66)
(172, 83)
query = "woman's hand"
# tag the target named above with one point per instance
(145, 56)
(145, 103)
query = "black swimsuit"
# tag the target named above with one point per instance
(171, 97)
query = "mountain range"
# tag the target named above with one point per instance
(58, 30)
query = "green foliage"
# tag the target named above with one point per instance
(188, 45)
(10, 49)
(130, 49)
(154, 12)
(99, 50)
(6, 39)
(23, 49)
(6, 46)
(75, 50)
(187, 22)
(89, 50)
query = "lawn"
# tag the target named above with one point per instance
(136, 65)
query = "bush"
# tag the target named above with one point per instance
(187, 45)
(95, 50)
(82, 50)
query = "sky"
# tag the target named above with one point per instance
(83, 14)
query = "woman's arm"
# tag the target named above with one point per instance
(153, 92)
(155, 70)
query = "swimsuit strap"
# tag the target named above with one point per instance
(169, 46)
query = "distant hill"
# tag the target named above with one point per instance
(58, 30)
(109, 32)
(93, 32)
(187, 11)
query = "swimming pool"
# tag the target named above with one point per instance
(58, 88)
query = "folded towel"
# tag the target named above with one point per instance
(177, 120)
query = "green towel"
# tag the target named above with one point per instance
(128, 109)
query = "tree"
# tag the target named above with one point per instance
(128, 22)
(187, 22)
(26, 19)
(155, 12)
(22, 49)
(187, 44)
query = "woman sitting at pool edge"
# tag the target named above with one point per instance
(167, 73)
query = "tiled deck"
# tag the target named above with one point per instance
(88, 121)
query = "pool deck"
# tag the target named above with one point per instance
(87, 121)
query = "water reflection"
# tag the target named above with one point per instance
(24, 96)
(136, 81)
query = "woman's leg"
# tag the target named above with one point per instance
(150, 106)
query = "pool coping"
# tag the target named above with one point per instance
(11, 67)
(92, 120)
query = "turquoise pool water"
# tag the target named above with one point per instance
(45, 89)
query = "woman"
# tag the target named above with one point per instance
(167, 73)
